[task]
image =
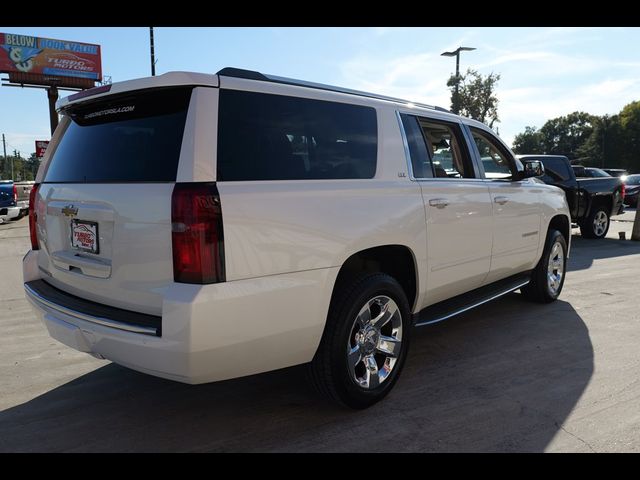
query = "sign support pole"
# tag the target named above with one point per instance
(52, 95)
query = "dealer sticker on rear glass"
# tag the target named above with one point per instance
(84, 235)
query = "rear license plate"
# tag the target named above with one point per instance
(84, 236)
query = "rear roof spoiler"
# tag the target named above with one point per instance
(169, 79)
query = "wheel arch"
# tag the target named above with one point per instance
(561, 223)
(396, 260)
(596, 201)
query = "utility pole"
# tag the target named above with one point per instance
(153, 55)
(4, 148)
(604, 136)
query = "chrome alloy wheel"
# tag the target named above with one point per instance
(555, 268)
(374, 342)
(600, 222)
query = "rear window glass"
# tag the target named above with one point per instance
(275, 137)
(556, 170)
(125, 138)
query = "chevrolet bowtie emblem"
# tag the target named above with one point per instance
(70, 211)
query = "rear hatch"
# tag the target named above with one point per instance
(104, 209)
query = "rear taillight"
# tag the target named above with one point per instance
(624, 190)
(33, 217)
(196, 232)
(15, 194)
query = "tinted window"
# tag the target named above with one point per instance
(596, 172)
(420, 161)
(556, 170)
(125, 138)
(579, 171)
(275, 137)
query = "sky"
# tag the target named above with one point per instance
(545, 72)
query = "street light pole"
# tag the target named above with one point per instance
(153, 54)
(456, 95)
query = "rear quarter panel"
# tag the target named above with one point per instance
(601, 190)
(277, 227)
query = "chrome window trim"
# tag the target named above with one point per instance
(407, 152)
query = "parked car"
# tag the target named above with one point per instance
(593, 198)
(617, 172)
(589, 172)
(632, 189)
(203, 227)
(8, 198)
(23, 190)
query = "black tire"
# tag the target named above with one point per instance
(588, 227)
(539, 289)
(329, 370)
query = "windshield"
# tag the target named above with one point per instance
(633, 180)
(596, 172)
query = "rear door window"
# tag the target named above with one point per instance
(134, 137)
(555, 170)
(437, 148)
(276, 137)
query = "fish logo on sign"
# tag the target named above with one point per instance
(70, 211)
(22, 57)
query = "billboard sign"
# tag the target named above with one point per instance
(47, 57)
(41, 146)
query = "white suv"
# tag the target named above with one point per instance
(203, 227)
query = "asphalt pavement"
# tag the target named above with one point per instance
(507, 376)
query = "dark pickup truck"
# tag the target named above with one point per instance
(8, 201)
(592, 201)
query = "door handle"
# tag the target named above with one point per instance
(438, 202)
(501, 200)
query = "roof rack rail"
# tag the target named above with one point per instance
(253, 75)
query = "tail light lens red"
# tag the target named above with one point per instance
(33, 216)
(624, 190)
(15, 194)
(197, 236)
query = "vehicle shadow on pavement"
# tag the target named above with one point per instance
(501, 378)
(584, 251)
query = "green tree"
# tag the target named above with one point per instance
(23, 168)
(477, 97)
(630, 126)
(529, 141)
(605, 146)
(567, 135)
(31, 166)
(610, 140)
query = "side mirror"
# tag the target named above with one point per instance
(533, 168)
